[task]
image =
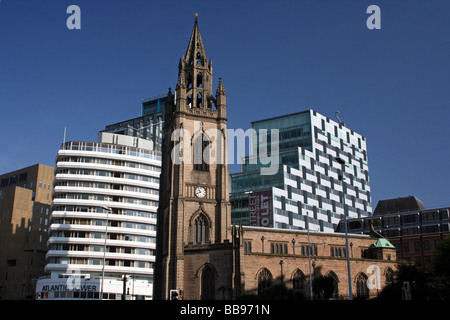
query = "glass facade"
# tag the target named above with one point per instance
(311, 189)
(148, 126)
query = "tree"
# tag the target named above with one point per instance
(274, 292)
(434, 285)
(417, 279)
(440, 282)
(323, 286)
(442, 261)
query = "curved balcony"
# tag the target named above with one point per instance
(107, 167)
(104, 191)
(103, 179)
(102, 216)
(87, 268)
(101, 242)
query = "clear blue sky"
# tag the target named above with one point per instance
(275, 57)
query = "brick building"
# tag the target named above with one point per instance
(264, 249)
(25, 200)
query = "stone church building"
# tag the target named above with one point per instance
(200, 255)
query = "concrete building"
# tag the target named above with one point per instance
(25, 199)
(323, 175)
(103, 220)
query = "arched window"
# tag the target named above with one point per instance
(189, 101)
(199, 100)
(199, 59)
(201, 154)
(200, 229)
(189, 80)
(336, 284)
(298, 280)
(199, 80)
(362, 291)
(208, 283)
(264, 280)
(389, 274)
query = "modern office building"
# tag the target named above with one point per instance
(414, 230)
(25, 199)
(323, 165)
(148, 126)
(103, 220)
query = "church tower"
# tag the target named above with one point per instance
(194, 215)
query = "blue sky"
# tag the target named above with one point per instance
(275, 57)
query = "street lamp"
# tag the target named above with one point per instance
(108, 210)
(341, 177)
(281, 264)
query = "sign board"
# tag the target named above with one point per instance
(260, 208)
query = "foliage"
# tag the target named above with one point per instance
(274, 292)
(324, 286)
(442, 261)
(432, 285)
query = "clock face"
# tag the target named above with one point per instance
(200, 192)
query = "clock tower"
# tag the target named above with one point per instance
(194, 252)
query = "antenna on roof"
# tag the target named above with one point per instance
(340, 121)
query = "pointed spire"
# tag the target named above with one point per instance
(221, 100)
(195, 49)
(220, 88)
(181, 82)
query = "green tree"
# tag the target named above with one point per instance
(434, 285)
(417, 279)
(442, 261)
(440, 282)
(274, 292)
(323, 286)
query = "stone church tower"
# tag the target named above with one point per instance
(199, 254)
(194, 245)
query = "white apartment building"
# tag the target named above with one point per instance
(102, 237)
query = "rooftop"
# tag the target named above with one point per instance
(383, 243)
(401, 204)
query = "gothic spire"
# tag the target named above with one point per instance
(195, 52)
(220, 88)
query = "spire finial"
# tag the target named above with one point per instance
(196, 15)
(220, 88)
